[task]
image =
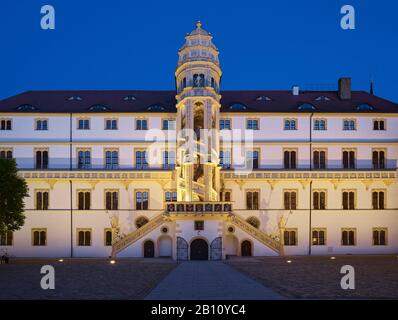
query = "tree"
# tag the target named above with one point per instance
(13, 190)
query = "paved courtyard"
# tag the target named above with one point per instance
(209, 280)
(376, 277)
(83, 278)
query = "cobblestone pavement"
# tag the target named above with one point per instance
(376, 277)
(83, 278)
(209, 280)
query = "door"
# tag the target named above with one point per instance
(199, 250)
(246, 249)
(149, 249)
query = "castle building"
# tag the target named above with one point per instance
(201, 173)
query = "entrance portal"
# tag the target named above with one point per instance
(149, 249)
(199, 250)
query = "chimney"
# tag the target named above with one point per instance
(295, 90)
(345, 88)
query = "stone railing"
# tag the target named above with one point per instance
(199, 207)
(132, 237)
(256, 233)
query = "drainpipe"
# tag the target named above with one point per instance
(310, 213)
(70, 186)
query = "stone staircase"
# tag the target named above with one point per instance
(137, 234)
(256, 233)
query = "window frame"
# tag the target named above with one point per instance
(290, 204)
(141, 119)
(111, 119)
(106, 230)
(6, 121)
(378, 190)
(313, 198)
(379, 120)
(289, 230)
(342, 239)
(41, 124)
(77, 158)
(145, 165)
(84, 199)
(355, 199)
(142, 203)
(112, 199)
(385, 229)
(324, 230)
(252, 121)
(8, 240)
(35, 150)
(83, 119)
(251, 190)
(78, 230)
(6, 151)
(36, 191)
(290, 128)
(349, 124)
(111, 165)
(325, 150)
(168, 125)
(319, 127)
(33, 230)
(225, 119)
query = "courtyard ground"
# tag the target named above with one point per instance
(376, 277)
(83, 278)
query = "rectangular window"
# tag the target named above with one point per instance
(83, 124)
(318, 237)
(252, 159)
(290, 237)
(225, 159)
(319, 157)
(378, 199)
(42, 199)
(6, 238)
(84, 237)
(349, 200)
(319, 200)
(379, 236)
(5, 124)
(39, 237)
(290, 200)
(141, 124)
(111, 159)
(252, 124)
(6, 154)
(225, 124)
(290, 159)
(319, 124)
(290, 124)
(379, 125)
(379, 159)
(349, 124)
(170, 196)
(111, 200)
(110, 124)
(168, 124)
(349, 159)
(107, 237)
(141, 160)
(141, 200)
(84, 199)
(199, 225)
(348, 237)
(41, 159)
(41, 124)
(225, 196)
(252, 200)
(169, 160)
(83, 158)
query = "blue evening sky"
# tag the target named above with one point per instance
(126, 44)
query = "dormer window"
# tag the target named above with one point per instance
(75, 98)
(156, 107)
(26, 107)
(237, 107)
(263, 98)
(364, 107)
(322, 98)
(306, 107)
(129, 98)
(98, 108)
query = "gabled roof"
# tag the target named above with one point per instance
(112, 101)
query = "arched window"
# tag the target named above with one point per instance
(141, 221)
(253, 221)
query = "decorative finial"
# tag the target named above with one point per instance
(198, 24)
(371, 87)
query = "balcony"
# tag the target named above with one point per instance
(215, 207)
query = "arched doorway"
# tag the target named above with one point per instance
(246, 249)
(149, 249)
(165, 246)
(199, 250)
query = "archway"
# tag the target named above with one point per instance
(149, 249)
(165, 246)
(199, 250)
(246, 249)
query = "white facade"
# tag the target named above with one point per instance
(175, 233)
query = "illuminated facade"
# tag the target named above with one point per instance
(202, 173)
